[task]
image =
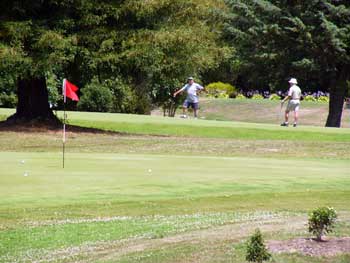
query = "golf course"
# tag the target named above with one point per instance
(137, 188)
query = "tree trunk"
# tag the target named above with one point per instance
(336, 99)
(33, 101)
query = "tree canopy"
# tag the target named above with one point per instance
(307, 39)
(141, 51)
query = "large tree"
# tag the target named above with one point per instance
(277, 39)
(150, 45)
(169, 41)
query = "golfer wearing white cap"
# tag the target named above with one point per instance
(293, 97)
(192, 98)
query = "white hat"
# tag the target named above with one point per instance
(293, 81)
(189, 78)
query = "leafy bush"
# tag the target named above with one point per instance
(240, 96)
(54, 89)
(321, 221)
(96, 97)
(124, 98)
(8, 100)
(257, 97)
(220, 90)
(274, 96)
(256, 250)
(323, 99)
(309, 98)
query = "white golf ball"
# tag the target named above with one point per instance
(150, 170)
(22, 162)
(25, 174)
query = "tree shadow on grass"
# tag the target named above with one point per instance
(49, 126)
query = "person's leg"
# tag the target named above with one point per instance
(195, 109)
(296, 114)
(286, 116)
(184, 109)
(296, 117)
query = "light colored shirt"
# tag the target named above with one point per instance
(294, 92)
(192, 91)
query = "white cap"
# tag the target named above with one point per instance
(293, 81)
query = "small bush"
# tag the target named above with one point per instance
(240, 96)
(220, 90)
(96, 97)
(274, 96)
(8, 100)
(256, 250)
(257, 97)
(309, 98)
(321, 221)
(323, 99)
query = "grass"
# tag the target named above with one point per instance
(165, 190)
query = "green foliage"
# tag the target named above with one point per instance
(8, 100)
(54, 88)
(321, 221)
(240, 96)
(278, 39)
(257, 97)
(274, 96)
(309, 98)
(124, 98)
(256, 250)
(220, 90)
(96, 97)
(323, 99)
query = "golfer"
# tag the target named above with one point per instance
(192, 98)
(293, 97)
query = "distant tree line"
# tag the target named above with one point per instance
(129, 55)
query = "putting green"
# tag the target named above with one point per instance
(32, 180)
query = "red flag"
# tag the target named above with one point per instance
(70, 90)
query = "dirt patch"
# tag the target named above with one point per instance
(106, 251)
(310, 247)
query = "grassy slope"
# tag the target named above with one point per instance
(107, 185)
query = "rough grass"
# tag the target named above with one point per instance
(190, 192)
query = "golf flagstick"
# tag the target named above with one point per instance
(70, 91)
(64, 120)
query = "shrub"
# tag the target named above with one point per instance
(240, 96)
(96, 97)
(124, 98)
(321, 220)
(256, 250)
(8, 100)
(323, 99)
(274, 96)
(257, 97)
(309, 98)
(54, 87)
(220, 90)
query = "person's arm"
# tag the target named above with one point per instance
(285, 99)
(200, 88)
(179, 91)
(288, 97)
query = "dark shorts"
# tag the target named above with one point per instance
(194, 105)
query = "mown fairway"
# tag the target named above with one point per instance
(166, 190)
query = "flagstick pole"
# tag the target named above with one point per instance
(64, 132)
(64, 121)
